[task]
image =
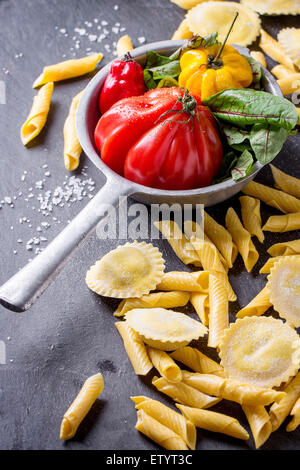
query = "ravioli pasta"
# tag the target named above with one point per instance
(165, 365)
(80, 407)
(215, 422)
(72, 147)
(197, 361)
(270, 263)
(258, 306)
(170, 299)
(183, 31)
(68, 69)
(135, 349)
(37, 118)
(289, 39)
(274, 7)
(278, 199)
(287, 183)
(242, 239)
(251, 216)
(259, 422)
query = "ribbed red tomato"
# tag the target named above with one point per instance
(164, 139)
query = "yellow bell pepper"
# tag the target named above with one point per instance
(203, 74)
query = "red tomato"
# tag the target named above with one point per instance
(164, 139)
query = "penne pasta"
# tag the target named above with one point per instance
(215, 422)
(124, 45)
(184, 281)
(285, 248)
(184, 394)
(197, 361)
(266, 269)
(72, 147)
(169, 418)
(294, 423)
(273, 49)
(218, 319)
(287, 183)
(290, 84)
(279, 411)
(37, 117)
(182, 32)
(68, 69)
(159, 433)
(80, 407)
(200, 302)
(280, 71)
(257, 55)
(242, 239)
(251, 217)
(258, 306)
(178, 241)
(221, 238)
(165, 365)
(283, 223)
(230, 389)
(170, 299)
(259, 422)
(278, 199)
(135, 348)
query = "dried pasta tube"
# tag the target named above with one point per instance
(165, 365)
(258, 306)
(242, 239)
(169, 418)
(218, 311)
(179, 242)
(272, 48)
(157, 299)
(182, 32)
(80, 407)
(197, 361)
(230, 389)
(72, 147)
(184, 281)
(270, 263)
(285, 248)
(273, 197)
(183, 393)
(257, 55)
(221, 238)
(251, 217)
(159, 433)
(294, 423)
(287, 183)
(37, 118)
(124, 45)
(283, 223)
(200, 302)
(280, 71)
(135, 348)
(68, 69)
(290, 84)
(279, 411)
(215, 422)
(259, 422)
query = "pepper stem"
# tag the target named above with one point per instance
(227, 35)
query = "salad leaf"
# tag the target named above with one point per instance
(167, 82)
(267, 141)
(242, 107)
(243, 166)
(228, 161)
(160, 67)
(256, 72)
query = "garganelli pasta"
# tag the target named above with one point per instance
(251, 217)
(124, 45)
(230, 389)
(285, 248)
(289, 84)
(80, 407)
(197, 361)
(218, 319)
(165, 365)
(257, 55)
(242, 239)
(72, 147)
(37, 118)
(170, 299)
(280, 71)
(135, 348)
(258, 306)
(259, 422)
(221, 238)
(294, 423)
(283, 223)
(184, 281)
(272, 48)
(273, 197)
(184, 394)
(287, 183)
(68, 69)
(279, 411)
(169, 418)
(215, 422)
(200, 302)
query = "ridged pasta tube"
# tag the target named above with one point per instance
(170, 299)
(273, 197)
(218, 319)
(283, 223)
(165, 365)
(230, 389)
(287, 183)
(272, 48)
(251, 217)
(259, 422)
(215, 422)
(279, 411)
(294, 423)
(197, 361)
(135, 348)
(72, 147)
(200, 302)
(80, 407)
(285, 248)
(197, 281)
(169, 418)
(258, 306)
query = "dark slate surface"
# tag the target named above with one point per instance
(69, 333)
